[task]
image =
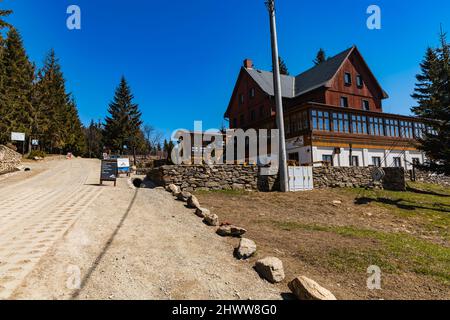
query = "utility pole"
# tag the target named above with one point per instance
(278, 99)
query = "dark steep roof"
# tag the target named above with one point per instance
(319, 75)
(316, 77)
(311, 79)
(265, 80)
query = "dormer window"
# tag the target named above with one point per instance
(347, 78)
(359, 81)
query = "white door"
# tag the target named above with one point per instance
(300, 178)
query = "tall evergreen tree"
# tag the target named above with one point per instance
(426, 84)
(94, 137)
(4, 13)
(74, 140)
(283, 67)
(432, 93)
(320, 57)
(51, 104)
(3, 25)
(122, 126)
(17, 87)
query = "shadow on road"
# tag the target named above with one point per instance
(99, 258)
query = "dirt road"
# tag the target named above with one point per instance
(64, 237)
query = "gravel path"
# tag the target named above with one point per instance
(63, 237)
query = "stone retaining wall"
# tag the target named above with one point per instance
(429, 177)
(357, 177)
(219, 177)
(9, 159)
(239, 177)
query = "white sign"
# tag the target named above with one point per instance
(17, 136)
(123, 163)
(35, 142)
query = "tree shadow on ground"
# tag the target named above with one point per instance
(431, 193)
(399, 203)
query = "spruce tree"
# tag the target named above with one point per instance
(3, 25)
(3, 14)
(122, 126)
(425, 85)
(51, 104)
(432, 93)
(73, 134)
(16, 88)
(283, 68)
(320, 57)
(94, 137)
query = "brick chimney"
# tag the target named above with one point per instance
(248, 64)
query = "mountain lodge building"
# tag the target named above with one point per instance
(333, 114)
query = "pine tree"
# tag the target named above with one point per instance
(17, 87)
(94, 136)
(426, 82)
(3, 14)
(52, 101)
(320, 57)
(283, 68)
(122, 126)
(74, 140)
(432, 93)
(3, 25)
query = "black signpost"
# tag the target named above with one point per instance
(109, 171)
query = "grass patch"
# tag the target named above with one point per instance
(396, 252)
(428, 204)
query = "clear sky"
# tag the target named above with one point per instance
(182, 57)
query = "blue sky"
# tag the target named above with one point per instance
(182, 57)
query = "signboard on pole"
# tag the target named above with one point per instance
(35, 142)
(123, 165)
(17, 136)
(108, 171)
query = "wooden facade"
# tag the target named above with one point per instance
(345, 111)
(251, 107)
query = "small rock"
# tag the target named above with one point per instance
(193, 203)
(246, 248)
(230, 231)
(184, 196)
(202, 212)
(306, 289)
(211, 219)
(271, 269)
(174, 189)
(337, 202)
